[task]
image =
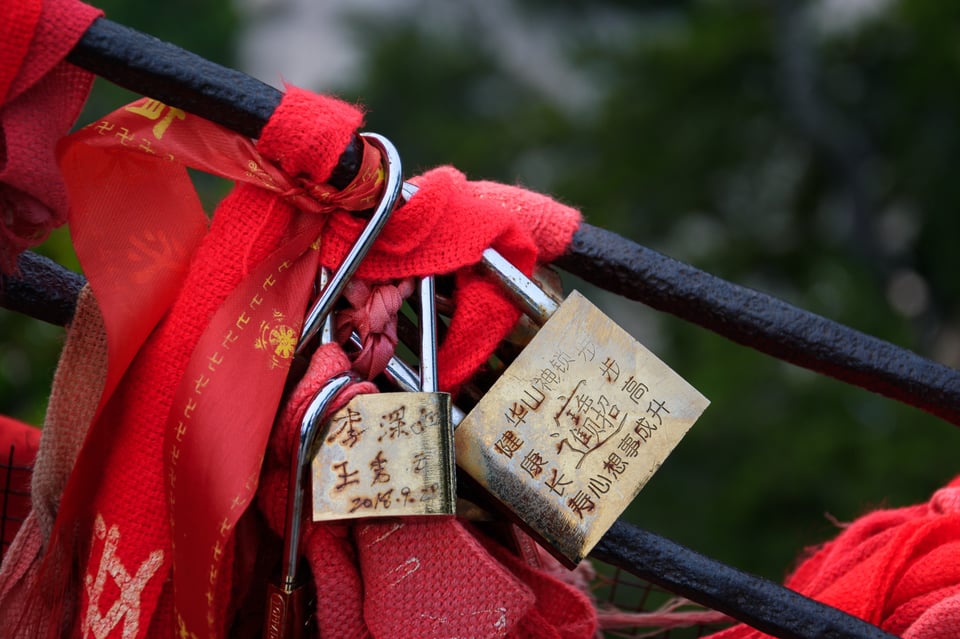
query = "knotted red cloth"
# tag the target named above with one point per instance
(373, 315)
(898, 569)
(40, 98)
(201, 327)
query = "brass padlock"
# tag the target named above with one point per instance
(287, 614)
(390, 454)
(577, 424)
(286, 609)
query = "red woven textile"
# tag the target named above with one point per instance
(898, 569)
(153, 556)
(40, 98)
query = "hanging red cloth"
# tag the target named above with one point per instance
(40, 98)
(148, 518)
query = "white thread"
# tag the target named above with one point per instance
(413, 561)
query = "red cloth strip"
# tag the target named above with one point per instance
(40, 98)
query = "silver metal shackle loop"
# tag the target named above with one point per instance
(305, 445)
(428, 336)
(391, 193)
(523, 291)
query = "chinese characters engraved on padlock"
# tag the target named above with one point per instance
(575, 427)
(386, 455)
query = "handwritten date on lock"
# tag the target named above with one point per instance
(386, 455)
(575, 427)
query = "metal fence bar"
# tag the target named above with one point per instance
(763, 322)
(168, 73)
(757, 602)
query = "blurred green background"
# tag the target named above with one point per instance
(804, 149)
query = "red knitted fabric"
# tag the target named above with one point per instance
(898, 569)
(40, 98)
(444, 229)
(19, 20)
(18, 449)
(125, 532)
(120, 475)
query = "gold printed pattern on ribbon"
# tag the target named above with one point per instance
(126, 137)
(277, 337)
(273, 342)
(156, 110)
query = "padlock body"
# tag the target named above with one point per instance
(574, 428)
(286, 615)
(386, 455)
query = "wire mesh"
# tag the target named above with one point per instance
(15, 498)
(629, 606)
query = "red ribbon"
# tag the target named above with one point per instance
(175, 297)
(130, 191)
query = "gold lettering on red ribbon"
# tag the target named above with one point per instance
(153, 110)
(244, 341)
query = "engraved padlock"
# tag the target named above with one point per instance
(286, 615)
(390, 454)
(286, 611)
(577, 424)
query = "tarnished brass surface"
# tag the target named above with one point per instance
(575, 427)
(386, 455)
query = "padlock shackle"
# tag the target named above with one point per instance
(401, 375)
(393, 181)
(304, 445)
(428, 336)
(523, 291)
